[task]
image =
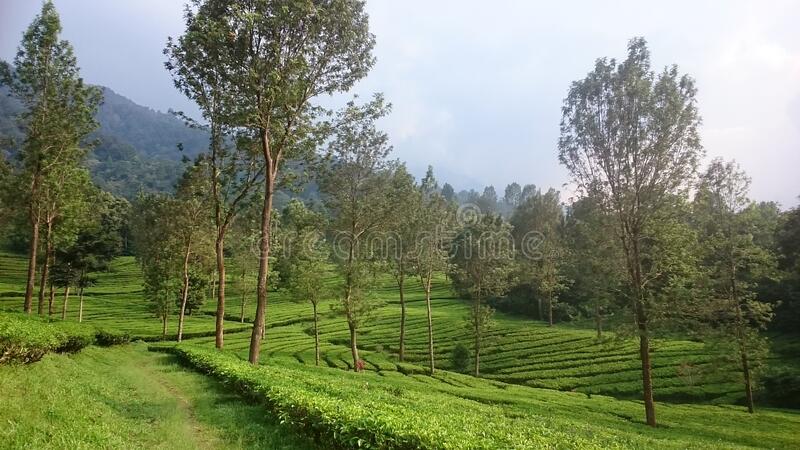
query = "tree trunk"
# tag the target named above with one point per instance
(635, 269)
(353, 345)
(48, 260)
(541, 310)
(185, 290)
(430, 325)
(64, 306)
(32, 249)
(264, 327)
(598, 321)
(80, 308)
(400, 283)
(51, 301)
(259, 322)
(220, 325)
(748, 387)
(647, 381)
(244, 292)
(644, 356)
(164, 327)
(550, 309)
(478, 319)
(316, 335)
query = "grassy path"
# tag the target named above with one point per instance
(126, 397)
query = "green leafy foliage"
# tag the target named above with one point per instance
(452, 411)
(26, 339)
(460, 358)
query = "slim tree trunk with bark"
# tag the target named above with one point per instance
(263, 263)
(48, 260)
(316, 334)
(400, 283)
(164, 326)
(598, 320)
(80, 308)
(185, 290)
(743, 354)
(644, 333)
(478, 319)
(32, 249)
(353, 345)
(430, 324)
(748, 386)
(220, 322)
(550, 309)
(66, 301)
(264, 327)
(51, 300)
(541, 309)
(244, 293)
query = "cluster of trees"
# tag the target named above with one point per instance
(649, 243)
(71, 228)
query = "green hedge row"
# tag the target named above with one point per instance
(346, 410)
(26, 339)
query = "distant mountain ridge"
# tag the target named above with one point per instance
(152, 133)
(137, 148)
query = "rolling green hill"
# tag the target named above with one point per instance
(398, 401)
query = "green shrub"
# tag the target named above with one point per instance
(26, 339)
(348, 410)
(460, 358)
(107, 339)
(781, 388)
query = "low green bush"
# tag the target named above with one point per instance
(460, 358)
(348, 410)
(781, 387)
(107, 339)
(26, 339)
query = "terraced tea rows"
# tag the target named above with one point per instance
(517, 351)
(521, 357)
(115, 303)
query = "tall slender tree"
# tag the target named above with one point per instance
(400, 241)
(197, 62)
(435, 220)
(276, 57)
(64, 197)
(190, 228)
(629, 139)
(734, 263)
(595, 262)
(541, 217)
(357, 187)
(156, 252)
(483, 262)
(307, 258)
(59, 114)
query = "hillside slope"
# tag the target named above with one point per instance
(136, 148)
(518, 351)
(400, 401)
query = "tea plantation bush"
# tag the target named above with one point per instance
(26, 339)
(107, 339)
(345, 411)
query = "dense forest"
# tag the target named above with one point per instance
(133, 149)
(272, 229)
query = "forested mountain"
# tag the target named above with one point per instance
(135, 147)
(151, 133)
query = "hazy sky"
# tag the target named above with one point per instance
(477, 86)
